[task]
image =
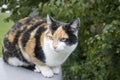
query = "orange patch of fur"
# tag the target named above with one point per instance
(31, 23)
(30, 46)
(41, 39)
(11, 35)
(59, 33)
(45, 25)
(35, 20)
(23, 20)
(29, 49)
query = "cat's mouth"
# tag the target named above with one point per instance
(59, 50)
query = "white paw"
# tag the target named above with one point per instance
(45, 71)
(56, 70)
(37, 69)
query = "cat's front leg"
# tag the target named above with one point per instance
(56, 70)
(45, 70)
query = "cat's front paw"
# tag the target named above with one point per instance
(56, 70)
(37, 69)
(45, 71)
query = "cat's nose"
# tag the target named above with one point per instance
(54, 47)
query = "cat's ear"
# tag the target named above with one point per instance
(50, 20)
(75, 24)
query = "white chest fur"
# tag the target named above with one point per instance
(56, 57)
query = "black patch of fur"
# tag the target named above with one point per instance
(12, 51)
(26, 35)
(16, 37)
(28, 20)
(39, 54)
(10, 46)
(6, 55)
(30, 67)
(72, 38)
(17, 25)
(54, 26)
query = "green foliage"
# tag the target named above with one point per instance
(4, 26)
(98, 54)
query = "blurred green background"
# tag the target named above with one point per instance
(97, 56)
(4, 27)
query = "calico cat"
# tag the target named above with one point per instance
(44, 44)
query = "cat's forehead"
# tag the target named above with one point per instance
(60, 33)
(57, 26)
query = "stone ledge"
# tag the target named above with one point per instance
(8, 72)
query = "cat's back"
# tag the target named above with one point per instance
(23, 26)
(22, 31)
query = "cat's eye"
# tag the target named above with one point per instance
(50, 37)
(63, 39)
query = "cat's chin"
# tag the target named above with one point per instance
(56, 50)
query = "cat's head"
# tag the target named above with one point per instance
(61, 35)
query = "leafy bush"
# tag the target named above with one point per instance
(97, 56)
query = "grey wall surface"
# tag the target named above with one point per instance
(8, 72)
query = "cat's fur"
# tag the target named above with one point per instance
(45, 44)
